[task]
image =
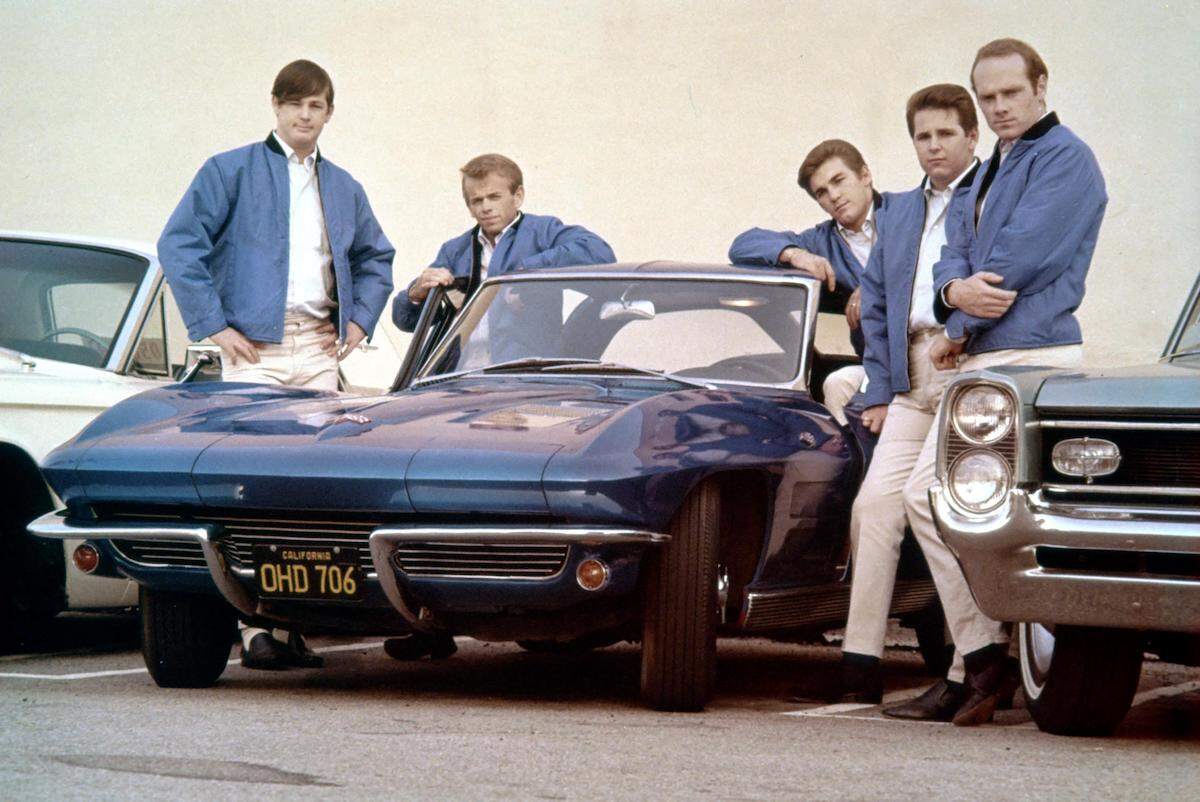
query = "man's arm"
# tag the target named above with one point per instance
(759, 246)
(371, 258)
(876, 350)
(566, 246)
(185, 249)
(406, 310)
(1059, 209)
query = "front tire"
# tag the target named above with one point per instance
(186, 637)
(679, 615)
(1079, 680)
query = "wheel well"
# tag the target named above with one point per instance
(32, 571)
(745, 511)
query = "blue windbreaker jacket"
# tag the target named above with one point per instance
(225, 248)
(536, 241)
(1038, 230)
(888, 289)
(760, 246)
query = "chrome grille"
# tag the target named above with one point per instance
(239, 537)
(162, 551)
(1149, 457)
(482, 560)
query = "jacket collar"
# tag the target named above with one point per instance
(1041, 127)
(273, 144)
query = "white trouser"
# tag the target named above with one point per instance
(298, 360)
(972, 630)
(839, 387)
(878, 517)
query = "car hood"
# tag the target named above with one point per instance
(1166, 389)
(453, 448)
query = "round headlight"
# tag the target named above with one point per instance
(983, 414)
(979, 480)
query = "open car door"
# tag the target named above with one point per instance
(437, 313)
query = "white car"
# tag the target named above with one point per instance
(86, 323)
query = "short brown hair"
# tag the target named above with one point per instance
(829, 149)
(301, 79)
(947, 97)
(493, 163)
(1034, 66)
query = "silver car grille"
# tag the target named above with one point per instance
(162, 552)
(481, 560)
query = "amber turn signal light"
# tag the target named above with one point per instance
(86, 558)
(591, 574)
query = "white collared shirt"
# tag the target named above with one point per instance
(310, 260)
(485, 255)
(860, 242)
(933, 237)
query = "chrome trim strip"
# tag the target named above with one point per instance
(54, 525)
(384, 540)
(766, 278)
(1123, 490)
(1114, 425)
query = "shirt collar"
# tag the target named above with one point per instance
(483, 240)
(929, 190)
(290, 154)
(1036, 131)
(867, 227)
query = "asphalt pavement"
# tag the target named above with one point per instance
(84, 720)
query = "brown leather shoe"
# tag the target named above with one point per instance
(299, 655)
(985, 689)
(939, 703)
(265, 654)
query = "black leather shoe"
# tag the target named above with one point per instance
(985, 689)
(860, 682)
(419, 645)
(300, 655)
(939, 703)
(265, 654)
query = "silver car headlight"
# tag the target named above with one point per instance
(983, 414)
(979, 480)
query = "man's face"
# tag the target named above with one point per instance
(1009, 102)
(846, 196)
(944, 149)
(299, 122)
(491, 202)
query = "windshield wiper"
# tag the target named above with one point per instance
(598, 364)
(547, 364)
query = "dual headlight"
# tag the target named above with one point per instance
(979, 477)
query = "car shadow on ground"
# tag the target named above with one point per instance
(81, 633)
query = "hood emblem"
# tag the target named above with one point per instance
(807, 439)
(351, 417)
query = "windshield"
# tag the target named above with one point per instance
(65, 302)
(730, 331)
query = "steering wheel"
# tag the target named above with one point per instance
(90, 340)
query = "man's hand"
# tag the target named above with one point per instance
(235, 346)
(976, 295)
(873, 417)
(810, 263)
(329, 341)
(354, 336)
(430, 277)
(944, 353)
(854, 308)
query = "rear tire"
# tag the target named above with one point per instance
(679, 615)
(186, 637)
(1079, 680)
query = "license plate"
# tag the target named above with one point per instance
(297, 572)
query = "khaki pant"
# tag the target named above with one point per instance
(895, 490)
(839, 387)
(298, 360)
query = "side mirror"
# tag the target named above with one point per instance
(627, 310)
(202, 363)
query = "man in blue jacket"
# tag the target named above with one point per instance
(836, 176)
(1008, 284)
(503, 239)
(904, 390)
(274, 254)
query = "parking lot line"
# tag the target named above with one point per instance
(343, 647)
(841, 708)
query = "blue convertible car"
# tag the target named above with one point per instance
(578, 456)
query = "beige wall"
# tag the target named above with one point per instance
(666, 127)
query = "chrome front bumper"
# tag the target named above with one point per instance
(998, 555)
(382, 542)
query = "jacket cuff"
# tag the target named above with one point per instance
(207, 326)
(365, 320)
(956, 327)
(877, 395)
